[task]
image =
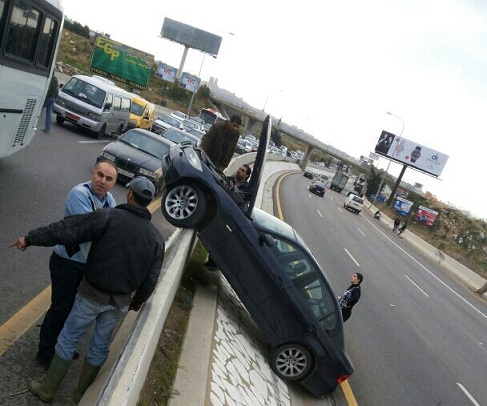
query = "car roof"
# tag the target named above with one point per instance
(319, 183)
(181, 133)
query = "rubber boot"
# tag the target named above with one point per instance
(86, 378)
(48, 384)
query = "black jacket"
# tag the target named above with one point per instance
(126, 252)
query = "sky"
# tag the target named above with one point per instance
(335, 69)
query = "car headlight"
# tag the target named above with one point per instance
(108, 156)
(94, 116)
(193, 158)
(146, 172)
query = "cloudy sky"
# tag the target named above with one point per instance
(335, 69)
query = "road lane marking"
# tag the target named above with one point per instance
(428, 271)
(95, 142)
(361, 232)
(472, 399)
(347, 391)
(20, 322)
(417, 286)
(321, 215)
(353, 259)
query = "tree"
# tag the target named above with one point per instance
(373, 181)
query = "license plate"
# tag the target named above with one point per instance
(72, 116)
(125, 173)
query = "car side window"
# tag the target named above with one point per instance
(321, 303)
(292, 259)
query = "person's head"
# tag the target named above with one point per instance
(356, 278)
(141, 191)
(243, 173)
(103, 177)
(235, 123)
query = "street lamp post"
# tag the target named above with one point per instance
(267, 98)
(389, 164)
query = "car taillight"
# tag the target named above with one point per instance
(342, 378)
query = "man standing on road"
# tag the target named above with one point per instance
(220, 141)
(51, 96)
(122, 270)
(67, 263)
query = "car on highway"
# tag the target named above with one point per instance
(354, 203)
(162, 123)
(269, 266)
(240, 147)
(318, 188)
(178, 136)
(138, 152)
(308, 174)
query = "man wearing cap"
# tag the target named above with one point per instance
(220, 141)
(122, 270)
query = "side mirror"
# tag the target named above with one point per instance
(266, 239)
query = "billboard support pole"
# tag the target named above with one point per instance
(396, 185)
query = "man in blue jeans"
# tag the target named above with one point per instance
(66, 264)
(122, 270)
(51, 97)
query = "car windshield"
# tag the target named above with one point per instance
(172, 121)
(176, 136)
(320, 184)
(85, 91)
(136, 109)
(145, 143)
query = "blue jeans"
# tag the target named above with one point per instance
(86, 311)
(48, 105)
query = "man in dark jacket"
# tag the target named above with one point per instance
(122, 270)
(51, 96)
(220, 141)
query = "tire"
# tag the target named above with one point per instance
(59, 119)
(120, 130)
(291, 362)
(101, 133)
(184, 205)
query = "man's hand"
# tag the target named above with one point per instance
(20, 244)
(134, 305)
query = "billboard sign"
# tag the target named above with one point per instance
(411, 153)
(166, 72)
(426, 215)
(191, 37)
(402, 206)
(189, 82)
(122, 63)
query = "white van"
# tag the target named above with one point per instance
(94, 103)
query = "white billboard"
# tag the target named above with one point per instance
(189, 82)
(411, 153)
(166, 72)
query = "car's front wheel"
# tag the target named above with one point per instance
(184, 205)
(291, 362)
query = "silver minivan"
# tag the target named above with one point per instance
(94, 103)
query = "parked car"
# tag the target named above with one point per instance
(318, 188)
(196, 133)
(138, 152)
(162, 123)
(266, 262)
(308, 174)
(354, 203)
(240, 147)
(178, 136)
(179, 114)
(190, 124)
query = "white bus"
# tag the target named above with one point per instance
(210, 117)
(30, 33)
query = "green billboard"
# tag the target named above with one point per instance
(121, 62)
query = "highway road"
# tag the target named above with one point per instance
(416, 337)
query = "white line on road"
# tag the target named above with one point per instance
(321, 215)
(353, 259)
(95, 142)
(429, 272)
(417, 286)
(361, 232)
(472, 399)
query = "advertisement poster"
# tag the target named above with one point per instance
(166, 72)
(426, 215)
(122, 63)
(402, 206)
(411, 153)
(189, 82)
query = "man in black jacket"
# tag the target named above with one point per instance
(122, 270)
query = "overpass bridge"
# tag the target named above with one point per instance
(228, 104)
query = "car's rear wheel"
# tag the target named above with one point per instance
(291, 362)
(184, 205)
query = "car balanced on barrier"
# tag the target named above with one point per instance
(267, 264)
